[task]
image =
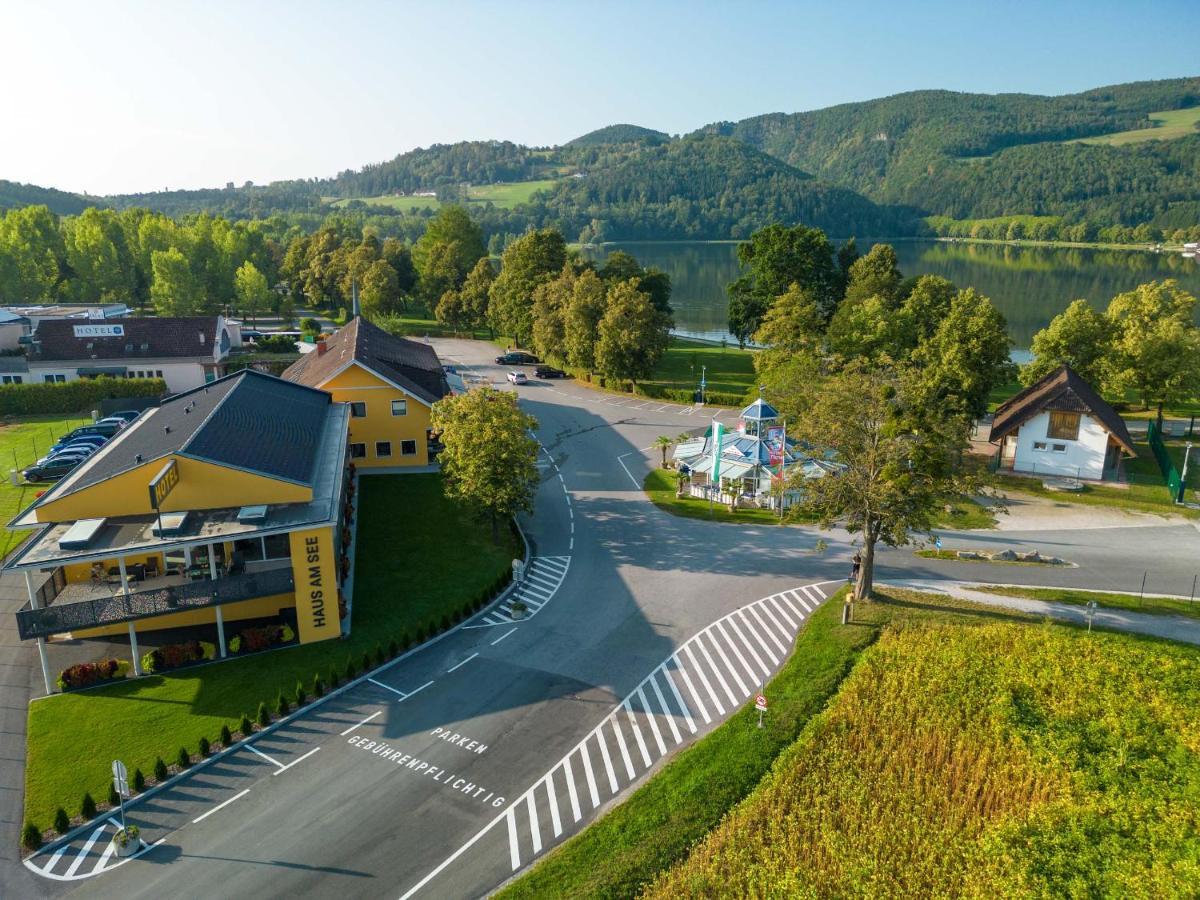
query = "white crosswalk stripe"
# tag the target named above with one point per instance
(543, 577)
(716, 669)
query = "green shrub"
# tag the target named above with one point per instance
(246, 727)
(350, 670)
(366, 662)
(281, 704)
(264, 715)
(226, 736)
(139, 780)
(380, 659)
(160, 770)
(62, 822)
(31, 836)
(333, 679)
(405, 640)
(445, 621)
(70, 396)
(205, 746)
(318, 686)
(301, 695)
(393, 649)
(87, 808)
(114, 799)
(183, 759)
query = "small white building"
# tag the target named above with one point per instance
(186, 352)
(1060, 426)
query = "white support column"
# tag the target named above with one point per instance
(212, 573)
(41, 642)
(133, 648)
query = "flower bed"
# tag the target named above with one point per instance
(86, 674)
(250, 640)
(172, 656)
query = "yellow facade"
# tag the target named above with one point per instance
(357, 384)
(314, 569)
(258, 608)
(202, 485)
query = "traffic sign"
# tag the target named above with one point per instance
(760, 702)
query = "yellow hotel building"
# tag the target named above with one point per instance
(390, 383)
(225, 503)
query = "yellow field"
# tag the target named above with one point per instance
(1173, 123)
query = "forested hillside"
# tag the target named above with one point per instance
(619, 134)
(13, 195)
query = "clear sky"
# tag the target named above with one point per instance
(108, 96)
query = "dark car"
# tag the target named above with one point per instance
(52, 469)
(517, 358)
(94, 440)
(549, 372)
(108, 429)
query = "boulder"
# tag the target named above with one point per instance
(969, 554)
(1004, 556)
(1032, 556)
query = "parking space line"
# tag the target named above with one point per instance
(220, 806)
(388, 687)
(294, 761)
(461, 664)
(502, 637)
(258, 752)
(363, 722)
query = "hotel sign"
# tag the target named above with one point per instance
(162, 485)
(92, 331)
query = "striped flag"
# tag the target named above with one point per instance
(718, 435)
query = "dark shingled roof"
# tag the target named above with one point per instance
(410, 364)
(248, 420)
(163, 337)
(1062, 390)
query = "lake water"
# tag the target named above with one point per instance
(1030, 285)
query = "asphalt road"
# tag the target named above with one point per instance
(466, 760)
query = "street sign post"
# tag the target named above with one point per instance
(760, 703)
(121, 786)
(1091, 611)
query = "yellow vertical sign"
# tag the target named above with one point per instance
(315, 574)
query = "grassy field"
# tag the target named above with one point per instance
(1172, 123)
(504, 195)
(660, 488)
(727, 370)
(1147, 494)
(1159, 606)
(405, 580)
(998, 760)
(24, 441)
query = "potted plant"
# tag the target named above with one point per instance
(518, 609)
(128, 840)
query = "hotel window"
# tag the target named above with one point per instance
(11, 379)
(383, 449)
(1059, 448)
(358, 451)
(1064, 426)
(277, 546)
(399, 407)
(408, 448)
(1039, 445)
(53, 379)
(358, 410)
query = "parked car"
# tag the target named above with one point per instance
(516, 376)
(128, 415)
(51, 470)
(114, 420)
(517, 358)
(108, 429)
(95, 440)
(449, 369)
(549, 372)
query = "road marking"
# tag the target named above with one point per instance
(662, 748)
(534, 830)
(514, 850)
(388, 687)
(608, 766)
(729, 666)
(712, 695)
(502, 637)
(545, 582)
(621, 460)
(560, 478)
(363, 722)
(418, 690)
(770, 615)
(555, 822)
(616, 725)
(766, 670)
(102, 862)
(637, 733)
(766, 630)
(736, 652)
(587, 771)
(667, 711)
(78, 860)
(793, 603)
(687, 715)
(572, 544)
(220, 806)
(766, 648)
(783, 613)
(294, 761)
(254, 749)
(733, 701)
(461, 664)
(571, 794)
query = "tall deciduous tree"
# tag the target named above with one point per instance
(176, 290)
(792, 322)
(893, 478)
(632, 335)
(451, 225)
(550, 302)
(1155, 345)
(489, 460)
(100, 262)
(581, 322)
(475, 294)
(253, 292)
(775, 258)
(1078, 337)
(380, 293)
(530, 260)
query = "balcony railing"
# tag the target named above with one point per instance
(64, 617)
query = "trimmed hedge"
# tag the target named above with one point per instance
(73, 396)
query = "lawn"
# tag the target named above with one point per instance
(660, 822)
(994, 760)
(1172, 123)
(23, 441)
(1159, 606)
(727, 370)
(660, 488)
(407, 578)
(1145, 493)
